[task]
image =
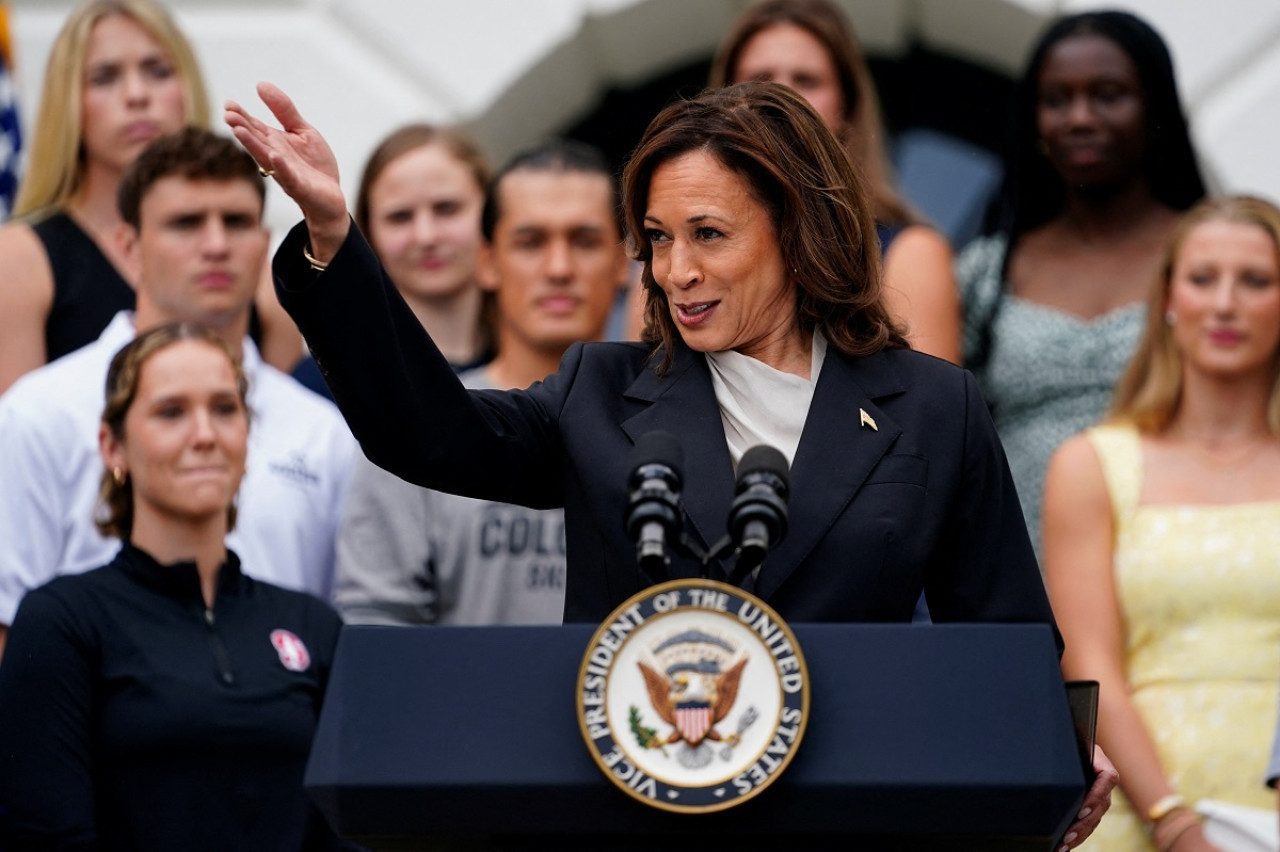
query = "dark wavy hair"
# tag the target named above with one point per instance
(816, 200)
(1033, 192)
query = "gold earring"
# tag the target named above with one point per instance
(118, 475)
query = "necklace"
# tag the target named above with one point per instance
(1225, 459)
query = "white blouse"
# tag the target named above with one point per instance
(761, 405)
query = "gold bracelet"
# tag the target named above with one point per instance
(321, 265)
(1164, 806)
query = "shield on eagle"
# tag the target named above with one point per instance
(693, 720)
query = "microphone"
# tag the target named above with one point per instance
(653, 515)
(758, 515)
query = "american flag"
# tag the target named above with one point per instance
(10, 137)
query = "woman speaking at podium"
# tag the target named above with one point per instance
(765, 324)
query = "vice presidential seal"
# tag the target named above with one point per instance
(693, 696)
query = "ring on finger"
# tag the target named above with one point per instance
(266, 173)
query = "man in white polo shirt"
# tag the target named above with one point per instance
(193, 202)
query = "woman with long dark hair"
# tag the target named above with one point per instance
(1100, 169)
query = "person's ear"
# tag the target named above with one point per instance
(112, 451)
(486, 267)
(126, 239)
(1170, 316)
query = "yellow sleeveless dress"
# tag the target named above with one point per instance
(1199, 592)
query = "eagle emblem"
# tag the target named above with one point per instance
(693, 692)
(692, 696)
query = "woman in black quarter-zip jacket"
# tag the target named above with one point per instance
(166, 700)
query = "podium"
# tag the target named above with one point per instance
(919, 737)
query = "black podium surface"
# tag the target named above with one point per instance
(919, 737)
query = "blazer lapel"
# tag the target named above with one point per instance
(683, 403)
(836, 453)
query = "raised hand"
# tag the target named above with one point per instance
(301, 161)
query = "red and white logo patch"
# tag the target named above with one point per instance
(293, 653)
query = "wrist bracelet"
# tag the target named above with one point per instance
(1169, 833)
(1163, 806)
(322, 265)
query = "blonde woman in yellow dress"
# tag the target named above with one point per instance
(1162, 537)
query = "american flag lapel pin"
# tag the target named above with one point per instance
(867, 420)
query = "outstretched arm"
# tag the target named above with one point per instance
(397, 392)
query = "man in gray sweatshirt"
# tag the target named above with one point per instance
(554, 259)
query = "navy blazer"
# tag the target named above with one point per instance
(922, 501)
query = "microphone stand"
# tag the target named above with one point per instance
(686, 546)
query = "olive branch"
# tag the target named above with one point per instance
(647, 737)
